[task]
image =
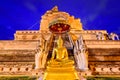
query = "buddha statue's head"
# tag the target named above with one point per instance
(60, 42)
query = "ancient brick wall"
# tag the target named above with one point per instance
(104, 56)
(17, 57)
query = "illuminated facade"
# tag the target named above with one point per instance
(93, 52)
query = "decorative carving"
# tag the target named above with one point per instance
(100, 36)
(42, 52)
(113, 36)
(81, 54)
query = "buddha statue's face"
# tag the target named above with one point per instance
(60, 42)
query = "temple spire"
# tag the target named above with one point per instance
(54, 9)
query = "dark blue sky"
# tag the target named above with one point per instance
(26, 14)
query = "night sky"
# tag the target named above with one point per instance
(26, 14)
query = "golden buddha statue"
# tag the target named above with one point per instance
(60, 54)
(60, 67)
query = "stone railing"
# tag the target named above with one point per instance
(105, 70)
(27, 32)
(88, 31)
(16, 70)
(30, 35)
